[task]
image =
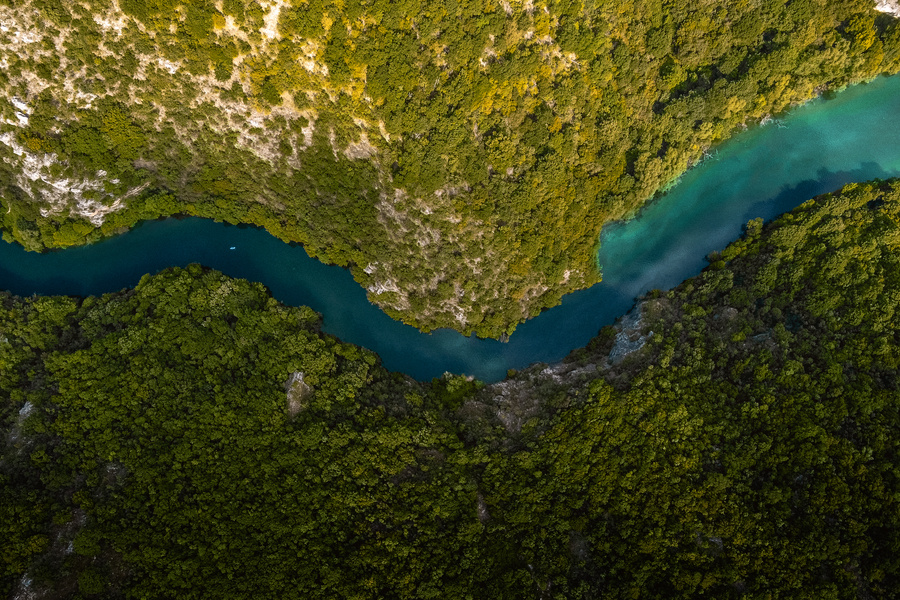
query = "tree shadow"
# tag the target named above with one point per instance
(826, 181)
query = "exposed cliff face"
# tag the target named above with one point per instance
(38, 176)
(524, 395)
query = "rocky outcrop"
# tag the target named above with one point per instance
(298, 392)
(629, 337)
(891, 7)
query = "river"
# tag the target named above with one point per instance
(762, 172)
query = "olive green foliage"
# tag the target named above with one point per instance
(750, 448)
(460, 157)
(158, 443)
(161, 414)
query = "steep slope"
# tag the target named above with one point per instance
(460, 158)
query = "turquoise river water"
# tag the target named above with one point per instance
(763, 172)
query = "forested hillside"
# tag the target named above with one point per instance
(460, 157)
(733, 438)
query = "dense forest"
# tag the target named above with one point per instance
(460, 157)
(732, 438)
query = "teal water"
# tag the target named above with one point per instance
(759, 173)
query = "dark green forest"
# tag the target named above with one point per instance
(194, 438)
(460, 157)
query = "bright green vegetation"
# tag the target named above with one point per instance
(461, 158)
(747, 449)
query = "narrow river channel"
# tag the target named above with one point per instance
(759, 173)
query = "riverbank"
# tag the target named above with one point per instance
(761, 173)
